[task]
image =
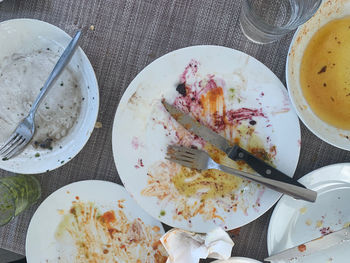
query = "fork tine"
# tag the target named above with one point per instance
(176, 152)
(172, 149)
(182, 149)
(181, 162)
(11, 145)
(20, 145)
(175, 148)
(190, 150)
(12, 137)
(181, 156)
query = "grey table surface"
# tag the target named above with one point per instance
(128, 35)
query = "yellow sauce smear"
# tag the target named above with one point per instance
(325, 73)
(211, 184)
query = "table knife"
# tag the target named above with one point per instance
(232, 150)
(310, 247)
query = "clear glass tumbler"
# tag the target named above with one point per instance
(265, 21)
(16, 194)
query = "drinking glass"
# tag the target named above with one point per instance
(265, 21)
(17, 193)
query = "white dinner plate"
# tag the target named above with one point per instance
(295, 222)
(247, 101)
(28, 35)
(42, 244)
(328, 11)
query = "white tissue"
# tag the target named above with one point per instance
(188, 247)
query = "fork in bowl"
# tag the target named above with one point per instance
(26, 129)
(200, 160)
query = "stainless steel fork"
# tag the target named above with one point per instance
(26, 129)
(200, 160)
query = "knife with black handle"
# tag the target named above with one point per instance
(237, 153)
(233, 151)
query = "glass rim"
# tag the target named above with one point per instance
(280, 30)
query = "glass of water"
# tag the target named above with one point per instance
(16, 194)
(265, 21)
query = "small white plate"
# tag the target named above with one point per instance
(28, 35)
(329, 10)
(142, 130)
(295, 222)
(41, 244)
(237, 260)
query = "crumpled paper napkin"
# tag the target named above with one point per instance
(188, 247)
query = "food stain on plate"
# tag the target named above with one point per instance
(326, 226)
(303, 210)
(324, 73)
(108, 236)
(214, 103)
(22, 76)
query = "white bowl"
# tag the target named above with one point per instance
(29, 34)
(328, 11)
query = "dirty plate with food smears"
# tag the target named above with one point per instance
(303, 221)
(93, 221)
(233, 94)
(66, 117)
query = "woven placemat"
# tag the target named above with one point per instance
(127, 36)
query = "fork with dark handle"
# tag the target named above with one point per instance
(26, 129)
(200, 160)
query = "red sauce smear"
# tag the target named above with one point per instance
(208, 103)
(135, 143)
(111, 231)
(139, 164)
(243, 114)
(108, 217)
(325, 231)
(191, 68)
(302, 248)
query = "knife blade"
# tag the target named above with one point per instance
(232, 150)
(310, 247)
